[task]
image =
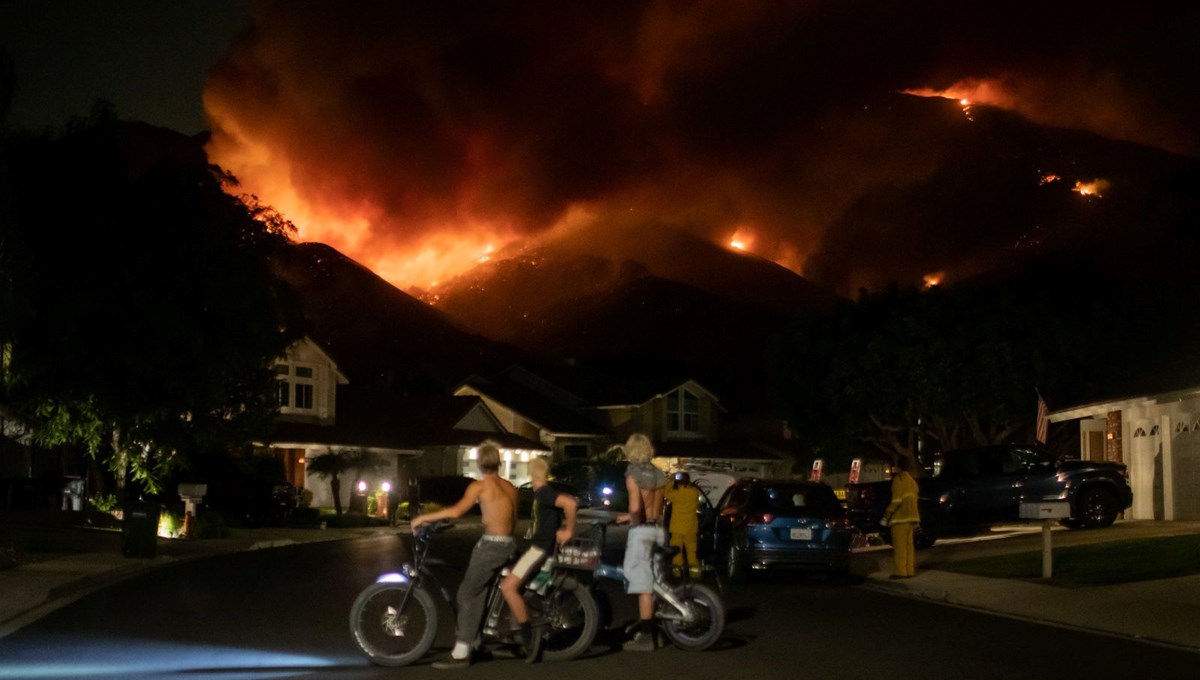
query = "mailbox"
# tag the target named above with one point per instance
(1046, 510)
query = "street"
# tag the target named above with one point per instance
(282, 613)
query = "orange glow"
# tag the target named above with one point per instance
(742, 239)
(968, 93)
(1048, 178)
(1094, 188)
(935, 279)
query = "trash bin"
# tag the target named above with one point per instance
(139, 532)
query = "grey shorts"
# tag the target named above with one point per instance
(639, 556)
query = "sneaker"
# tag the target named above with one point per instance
(642, 642)
(452, 664)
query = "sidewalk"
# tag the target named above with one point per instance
(1163, 612)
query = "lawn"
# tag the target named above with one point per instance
(1097, 564)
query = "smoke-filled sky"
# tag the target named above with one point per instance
(420, 138)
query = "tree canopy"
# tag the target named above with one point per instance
(138, 312)
(899, 371)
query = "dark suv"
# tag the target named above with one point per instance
(978, 487)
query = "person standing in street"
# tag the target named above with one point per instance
(683, 500)
(497, 499)
(645, 484)
(902, 517)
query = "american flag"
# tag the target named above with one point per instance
(1043, 420)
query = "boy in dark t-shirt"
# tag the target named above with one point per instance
(554, 523)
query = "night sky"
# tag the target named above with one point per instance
(420, 138)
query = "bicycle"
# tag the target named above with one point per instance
(691, 614)
(394, 620)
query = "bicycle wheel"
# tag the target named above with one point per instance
(391, 634)
(568, 619)
(709, 622)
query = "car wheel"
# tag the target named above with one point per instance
(922, 537)
(735, 565)
(1097, 508)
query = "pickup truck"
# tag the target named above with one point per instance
(974, 488)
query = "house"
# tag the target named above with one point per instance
(533, 407)
(1155, 434)
(321, 412)
(683, 418)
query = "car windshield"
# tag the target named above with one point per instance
(799, 500)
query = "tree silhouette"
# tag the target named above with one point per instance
(145, 317)
(331, 465)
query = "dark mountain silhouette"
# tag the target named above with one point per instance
(677, 306)
(1003, 190)
(380, 336)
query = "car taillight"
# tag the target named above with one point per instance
(762, 518)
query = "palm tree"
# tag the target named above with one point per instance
(332, 464)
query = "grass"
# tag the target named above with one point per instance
(1098, 564)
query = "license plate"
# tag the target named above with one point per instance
(801, 534)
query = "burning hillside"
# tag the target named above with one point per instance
(423, 140)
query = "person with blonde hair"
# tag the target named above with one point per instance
(553, 524)
(645, 484)
(497, 499)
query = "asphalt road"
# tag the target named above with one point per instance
(283, 613)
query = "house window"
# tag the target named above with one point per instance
(296, 386)
(683, 411)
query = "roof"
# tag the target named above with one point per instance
(745, 450)
(541, 403)
(378, 419)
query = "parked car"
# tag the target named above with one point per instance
(767, 524)
(246, 491)
(603, 483)
(973, 488)
(525, 497)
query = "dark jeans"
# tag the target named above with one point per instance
(486, 559)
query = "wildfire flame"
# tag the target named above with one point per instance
(935, 279)
(742, 239)
(968, 93)
(1048, 178)
(1094, 188)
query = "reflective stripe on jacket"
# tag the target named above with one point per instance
(903, 507)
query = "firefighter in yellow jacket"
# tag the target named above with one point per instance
(684, 524)
(902, 516)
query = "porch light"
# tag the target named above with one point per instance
(386, 486)
(362, 485)
(473, 453)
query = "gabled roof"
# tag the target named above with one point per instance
(314, 345)
(378, 419)
(744, 450)
(542, 404)
(635, 394)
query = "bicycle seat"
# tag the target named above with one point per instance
(668, 551)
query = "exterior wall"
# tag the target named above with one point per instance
(325, 382)
(322, 491)
(1159, 440)
(1113, 437)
